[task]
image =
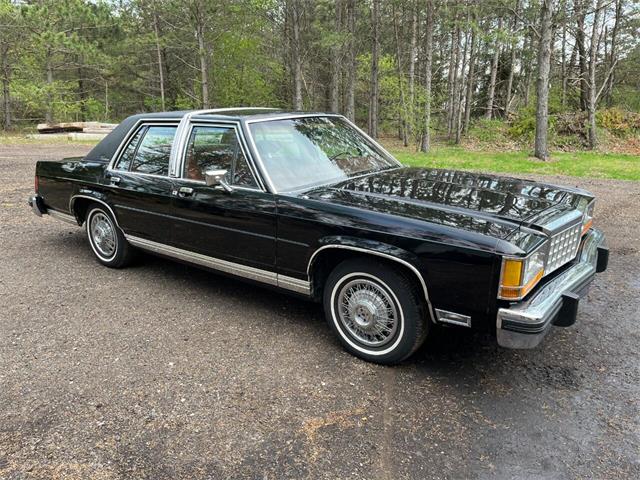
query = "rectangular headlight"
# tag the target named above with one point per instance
(520, 275)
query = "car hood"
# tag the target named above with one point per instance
(488, 204)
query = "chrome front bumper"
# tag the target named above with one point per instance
(524, 324)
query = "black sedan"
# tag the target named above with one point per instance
(308, 203)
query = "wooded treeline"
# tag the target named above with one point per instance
(407, 67)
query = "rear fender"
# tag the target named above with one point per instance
(85, 196)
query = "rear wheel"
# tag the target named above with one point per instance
(375, 309)
(106, 239)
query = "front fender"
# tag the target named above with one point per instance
(371, 247)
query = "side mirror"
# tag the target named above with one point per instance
(217, 177)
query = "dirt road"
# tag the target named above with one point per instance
(163, 371)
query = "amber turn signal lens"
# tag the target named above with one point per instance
(516, 293)
(512, 273)
(588, 224)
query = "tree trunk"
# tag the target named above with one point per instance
(296, 55)
(6, 94)
(613, 53)
(202, 54)
(542, 82)
(375, 54)
(563, 66)
(402, 111)
(468, 98)
(336, 62)
(48, 116)
(512, 61)
(81, 90)
(350, 101)
(160, 64)
(459, 92)
(579, 8)
(425, 145)
(494, 74)
(455, 103)
(453, 63)
(593, 98)
(413, 53)
(526, 66)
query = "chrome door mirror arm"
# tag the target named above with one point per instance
(217, 178)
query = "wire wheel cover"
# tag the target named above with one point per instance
(367, 312)
(103, 234)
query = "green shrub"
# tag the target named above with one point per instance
(523, 126)
(619, 122)
(490, 131)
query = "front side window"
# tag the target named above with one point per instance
(307, 151)
(217, 148)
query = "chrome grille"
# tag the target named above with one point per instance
(563, 247)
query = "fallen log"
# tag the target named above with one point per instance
(87, 127)
(60, 127)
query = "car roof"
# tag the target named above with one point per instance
(234, 113)
(108, 146)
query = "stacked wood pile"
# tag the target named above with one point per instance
(84, 127)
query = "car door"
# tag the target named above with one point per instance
(140, 186)
(238, 226)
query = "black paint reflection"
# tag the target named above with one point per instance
(504, 197)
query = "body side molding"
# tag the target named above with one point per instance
(236, 269)
(65, 217)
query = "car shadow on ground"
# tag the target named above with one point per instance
(446, 350)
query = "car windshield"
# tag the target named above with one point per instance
(303, 152)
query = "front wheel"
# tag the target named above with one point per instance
(375, 309)
(106, 239)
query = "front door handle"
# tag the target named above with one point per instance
(185, 191)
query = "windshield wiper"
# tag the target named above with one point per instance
(335, 157)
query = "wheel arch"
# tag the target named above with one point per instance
(79, 205)
(326, 257)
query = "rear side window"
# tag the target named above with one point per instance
(152, 156)
(148, 151)
(124, 164)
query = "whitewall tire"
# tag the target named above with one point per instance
(106, 239)
(375, 309)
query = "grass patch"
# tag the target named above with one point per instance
(575, 164)
(23, 139)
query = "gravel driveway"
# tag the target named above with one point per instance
(164, 371)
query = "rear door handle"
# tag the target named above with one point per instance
(114, 180)
(185, 191)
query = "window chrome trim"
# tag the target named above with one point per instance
(236, 269)
(181, 138)
(260, 162)
(235, 125)
(379, 254)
